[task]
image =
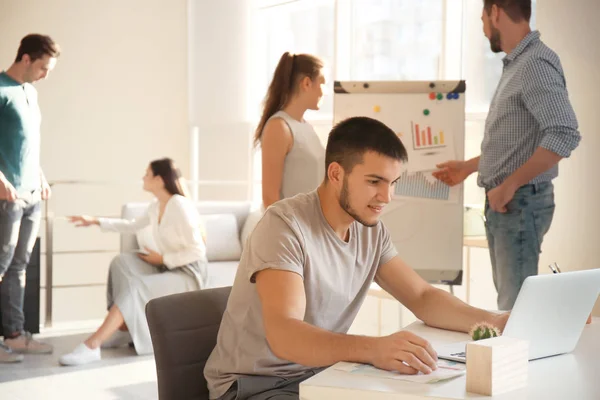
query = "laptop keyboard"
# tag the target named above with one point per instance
(461, 354)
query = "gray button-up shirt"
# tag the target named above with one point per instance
(530, 109)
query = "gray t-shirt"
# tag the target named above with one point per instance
(293, 235)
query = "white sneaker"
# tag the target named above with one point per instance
(118, 339)
(80, 355)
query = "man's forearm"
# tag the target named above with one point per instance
(440, 309)
(308, 345)
(473, 164)
(541, 161)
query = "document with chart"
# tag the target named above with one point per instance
(427, 144)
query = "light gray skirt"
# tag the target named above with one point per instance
(132, 283)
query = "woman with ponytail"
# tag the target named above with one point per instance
(293, 158)
(171, 259)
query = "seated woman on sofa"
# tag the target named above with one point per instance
(171, 259)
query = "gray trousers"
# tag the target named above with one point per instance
(132, 283)
(254, 387)
(19, 224)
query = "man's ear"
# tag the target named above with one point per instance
(335, 173)
(495, 15)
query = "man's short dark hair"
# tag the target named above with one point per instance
(517, 10)
(351, 138)
(37, 46)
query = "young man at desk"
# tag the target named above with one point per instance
(306, 270)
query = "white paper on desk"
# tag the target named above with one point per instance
(446, 370)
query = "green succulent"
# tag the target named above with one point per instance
(483, 330)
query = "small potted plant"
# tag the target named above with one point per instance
(483, 330)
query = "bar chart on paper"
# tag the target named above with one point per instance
(421, 185)
(424, 138)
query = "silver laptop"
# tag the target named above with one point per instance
(550, 313)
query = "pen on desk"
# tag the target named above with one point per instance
(554, 271)
(556, 266)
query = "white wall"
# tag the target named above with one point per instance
(572, 30)
(117, 97)
(219, 48)
(116, 100)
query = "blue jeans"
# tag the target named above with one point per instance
(515, 238)
(19, 224)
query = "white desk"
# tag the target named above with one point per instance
(569, 376)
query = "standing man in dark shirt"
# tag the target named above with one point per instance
(22, 186)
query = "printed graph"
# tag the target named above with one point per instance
(423, 138)
(421, 185)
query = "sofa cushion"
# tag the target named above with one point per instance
(222, 237)
(251, 222)
(221, 273)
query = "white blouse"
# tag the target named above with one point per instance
(178, 236)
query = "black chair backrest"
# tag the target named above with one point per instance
(184, 331)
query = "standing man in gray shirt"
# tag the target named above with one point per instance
(530, 127)
(306, 270)
(22, 186)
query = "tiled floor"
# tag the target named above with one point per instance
(120, 375)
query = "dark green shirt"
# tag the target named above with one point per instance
(20, 120)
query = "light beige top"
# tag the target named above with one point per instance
(304, 166)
